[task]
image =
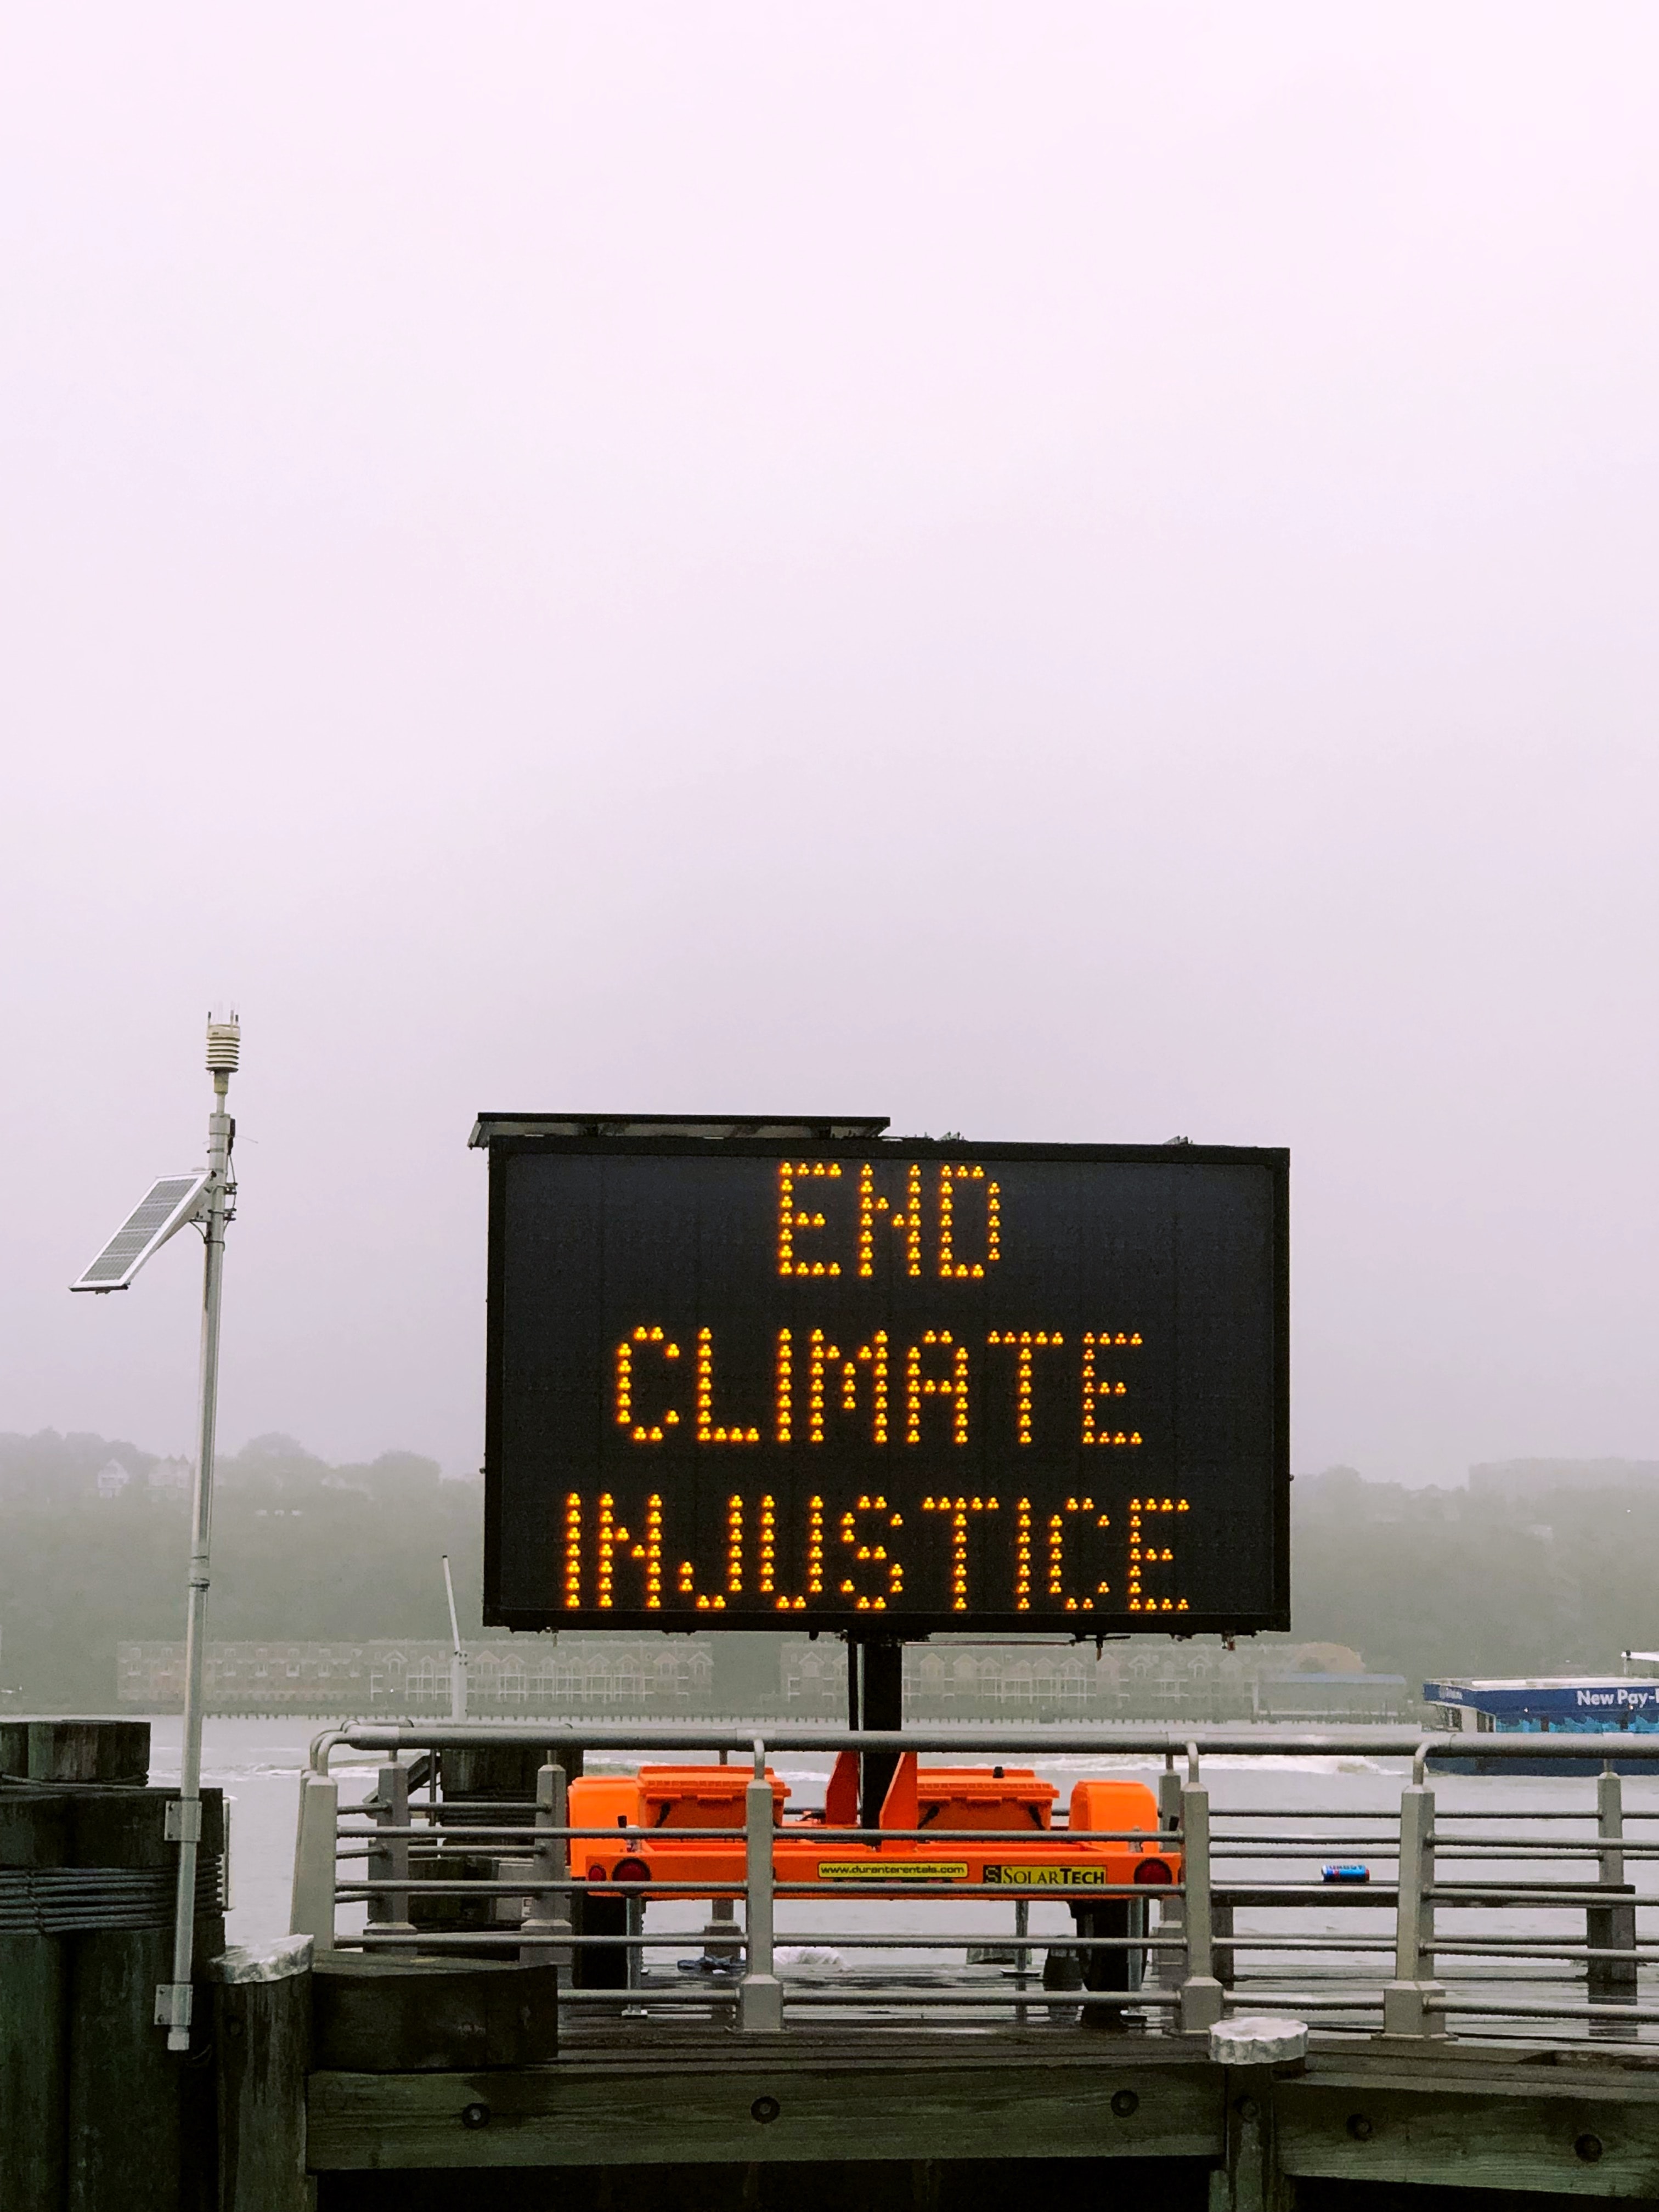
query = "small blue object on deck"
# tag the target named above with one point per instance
(1345, 1870)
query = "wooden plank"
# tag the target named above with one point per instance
(1591, 2144)
(754, 2109)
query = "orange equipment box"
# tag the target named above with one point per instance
(1114, 1805)
(1112, 1845)
(700, 1797)
(982, 1797)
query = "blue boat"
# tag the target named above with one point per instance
(1558, 1705)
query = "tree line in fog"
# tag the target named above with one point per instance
(1535, 1567)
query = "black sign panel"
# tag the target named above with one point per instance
(886, 1385)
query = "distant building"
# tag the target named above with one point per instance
(353, 1489)
(1138, 1681)
(1515, 1479)
(614, 1674)
(113, 1478)
(169, 1476)
(632, 1677)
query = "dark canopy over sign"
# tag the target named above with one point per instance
(805, 1375)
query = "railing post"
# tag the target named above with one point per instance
(1169, 1967)
(633, 1956)
(547, 1924)
(1225, 1950)
(1407, 2008)
(760, 2004)
(315, 1876)
(1201, 1997)
(391, 1858)
(1611, 1927)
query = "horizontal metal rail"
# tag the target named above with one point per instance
(1530, 2008)
(856, 1940)
(1105, 1740)
(860, 1886)
(804, 1832)
(869, 2000)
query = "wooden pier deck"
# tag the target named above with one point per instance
(975, 2116)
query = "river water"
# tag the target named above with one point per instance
(258, 1762)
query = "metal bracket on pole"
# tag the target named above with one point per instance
(182, 1821)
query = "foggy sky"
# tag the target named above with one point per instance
(1075, 572)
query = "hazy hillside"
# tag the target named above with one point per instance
(1540, 1574)
(1539, 1567)
(301, 1549)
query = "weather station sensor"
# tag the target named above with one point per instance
(794, 1372)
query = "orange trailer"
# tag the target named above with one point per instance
(1112, 1843)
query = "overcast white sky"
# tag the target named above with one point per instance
(1057, 571)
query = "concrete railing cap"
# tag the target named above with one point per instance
(263, 1962)
(1258, 2040)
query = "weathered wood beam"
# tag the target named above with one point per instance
(1595, 2142)
(765, 2109)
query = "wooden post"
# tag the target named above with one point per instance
(492, 1773)
(262, 2053)
(881, 1706)
(14, 1751)
(34, 1832)
(88, 1750)
(1252, 2180)
(141, 2122)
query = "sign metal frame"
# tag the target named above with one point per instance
(507, 1137)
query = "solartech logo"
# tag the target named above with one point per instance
(1047, 1877)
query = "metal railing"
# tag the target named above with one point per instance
(1182, 1972)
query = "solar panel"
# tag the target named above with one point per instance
(165, 1207)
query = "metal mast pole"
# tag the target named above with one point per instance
(457, 1656)
(173, 2001)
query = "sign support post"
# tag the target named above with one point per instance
(879, 1666)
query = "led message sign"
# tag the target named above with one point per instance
(885, 1385)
